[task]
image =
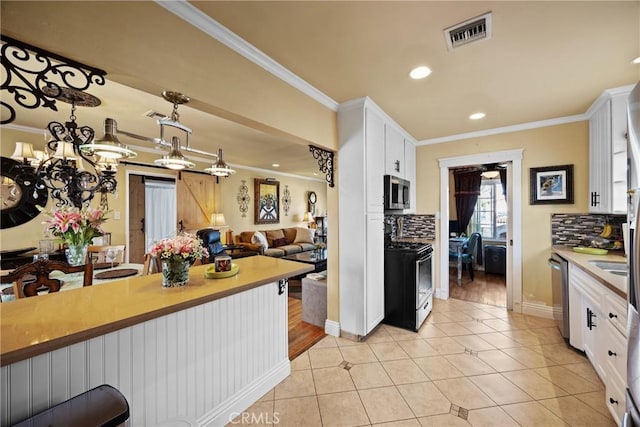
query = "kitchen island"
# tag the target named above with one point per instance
(194, 355)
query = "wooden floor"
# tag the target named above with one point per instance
(486, 288)
(302, 335)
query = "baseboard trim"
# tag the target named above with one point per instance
(242, 400)
(332, 328)
(538, 310)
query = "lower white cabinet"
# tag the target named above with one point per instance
(597, 325)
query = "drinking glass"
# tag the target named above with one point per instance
(110, 255)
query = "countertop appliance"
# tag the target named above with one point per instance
(396, 193)
(632, 416)
(560, 292)
(408, 284)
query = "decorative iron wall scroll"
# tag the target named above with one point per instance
(325, 162)
(286, 200)
(29, 72)
(244, 199)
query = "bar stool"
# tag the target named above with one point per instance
(102, 406)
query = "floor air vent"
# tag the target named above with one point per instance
(469, 31)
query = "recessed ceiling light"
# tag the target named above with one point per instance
(420, 72)
(636, 61)
(276, 165)
(477, 116)
(315, 173)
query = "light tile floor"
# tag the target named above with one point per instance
(469, 365)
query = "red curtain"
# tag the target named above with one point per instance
(467, 188)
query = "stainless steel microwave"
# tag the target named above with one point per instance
(396, 192)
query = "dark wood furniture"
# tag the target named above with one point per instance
(41, 270)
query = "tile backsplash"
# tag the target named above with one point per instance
(575, 229)
(418, 226)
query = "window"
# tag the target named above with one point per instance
(490, 216)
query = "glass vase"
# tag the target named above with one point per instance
(175, 273)
(76, 253)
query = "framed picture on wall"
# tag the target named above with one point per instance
(551, 185)
(267, 197)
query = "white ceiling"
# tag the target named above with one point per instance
(546, 60)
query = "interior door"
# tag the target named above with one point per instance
(136, 246)
(196, 200)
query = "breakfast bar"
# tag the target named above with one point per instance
(194, 355)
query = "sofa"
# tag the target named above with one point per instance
(277, 243)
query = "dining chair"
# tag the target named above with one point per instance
(469, 249)
(151, 265)
(41, 269)
(106, 253)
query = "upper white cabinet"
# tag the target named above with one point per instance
(410, 172)
(394, 161)
(608, 153)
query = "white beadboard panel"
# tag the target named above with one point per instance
(199, 365)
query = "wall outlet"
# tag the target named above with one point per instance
(116, 215)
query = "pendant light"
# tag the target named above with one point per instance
(109, 146)
(175, 160)
(220, 168)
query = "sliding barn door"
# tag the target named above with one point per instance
(136, 247)
(196, 200)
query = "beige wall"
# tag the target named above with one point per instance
(549, 146)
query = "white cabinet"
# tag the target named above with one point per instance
(410, 173)
(374, 161)
(361, 170)
(374, 272)
(598, 327)
(394, 161)
(608, 154)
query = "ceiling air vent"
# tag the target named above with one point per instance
(472, 30)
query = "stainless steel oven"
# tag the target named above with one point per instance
(408, 284)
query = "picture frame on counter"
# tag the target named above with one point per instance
(551, 185)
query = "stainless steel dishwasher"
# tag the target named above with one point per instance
(560, 292)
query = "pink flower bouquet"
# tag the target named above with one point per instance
(182, 247)
(75, 226)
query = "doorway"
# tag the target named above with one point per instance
(481, 234)
(514, 226)
(151, 212)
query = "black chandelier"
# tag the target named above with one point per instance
(74, 168)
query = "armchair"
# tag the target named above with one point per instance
(211, 240)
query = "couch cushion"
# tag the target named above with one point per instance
(274, 252)
(259, 239)
(290, 234)
(306, 246)
(276, 243)
(291, 249)
(273, 235)
(246, 236)
(304, 235)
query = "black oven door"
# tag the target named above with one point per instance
(424, 277)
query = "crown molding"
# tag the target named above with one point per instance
(22, 128)
(506, 129)
(214, 29)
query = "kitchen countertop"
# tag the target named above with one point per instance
(614, 282)
(32, 326)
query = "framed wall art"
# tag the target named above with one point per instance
(267, 201)
(551, 185)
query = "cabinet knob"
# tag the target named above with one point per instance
(613, 401)
(611, 316)
(611, 353)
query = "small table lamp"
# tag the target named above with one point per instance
(308, 218)
(218, 222)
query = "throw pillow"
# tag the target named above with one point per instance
(304, 235)
(273, 235)
(279, 242)
(259, 239)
